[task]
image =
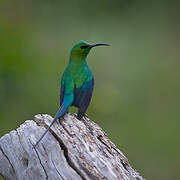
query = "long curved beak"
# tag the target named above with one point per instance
(99, 44)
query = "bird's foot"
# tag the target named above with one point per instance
(81, 117)
(85, 116)
(60, 119)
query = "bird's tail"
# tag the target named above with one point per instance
(60, 113)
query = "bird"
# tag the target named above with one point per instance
(77, 83)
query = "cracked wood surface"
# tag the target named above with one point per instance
(72, 150)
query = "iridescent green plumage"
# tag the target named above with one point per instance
(77, 83)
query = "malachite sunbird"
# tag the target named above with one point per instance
(77, 83)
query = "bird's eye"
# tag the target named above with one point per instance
(84, 47)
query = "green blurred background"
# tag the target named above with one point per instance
(136, 97)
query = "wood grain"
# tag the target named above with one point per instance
(72, 150)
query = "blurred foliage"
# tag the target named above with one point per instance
(136, 98)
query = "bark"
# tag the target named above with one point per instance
(72, 150)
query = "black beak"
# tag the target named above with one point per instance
(99, 44)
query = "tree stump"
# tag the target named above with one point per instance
(71, 150)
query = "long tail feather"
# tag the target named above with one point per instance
(60, 113)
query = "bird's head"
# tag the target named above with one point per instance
(82, 48)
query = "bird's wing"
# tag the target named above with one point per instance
(62, 92)
(83, 97)
(67, 89)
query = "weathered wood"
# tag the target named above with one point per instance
(72, 150)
